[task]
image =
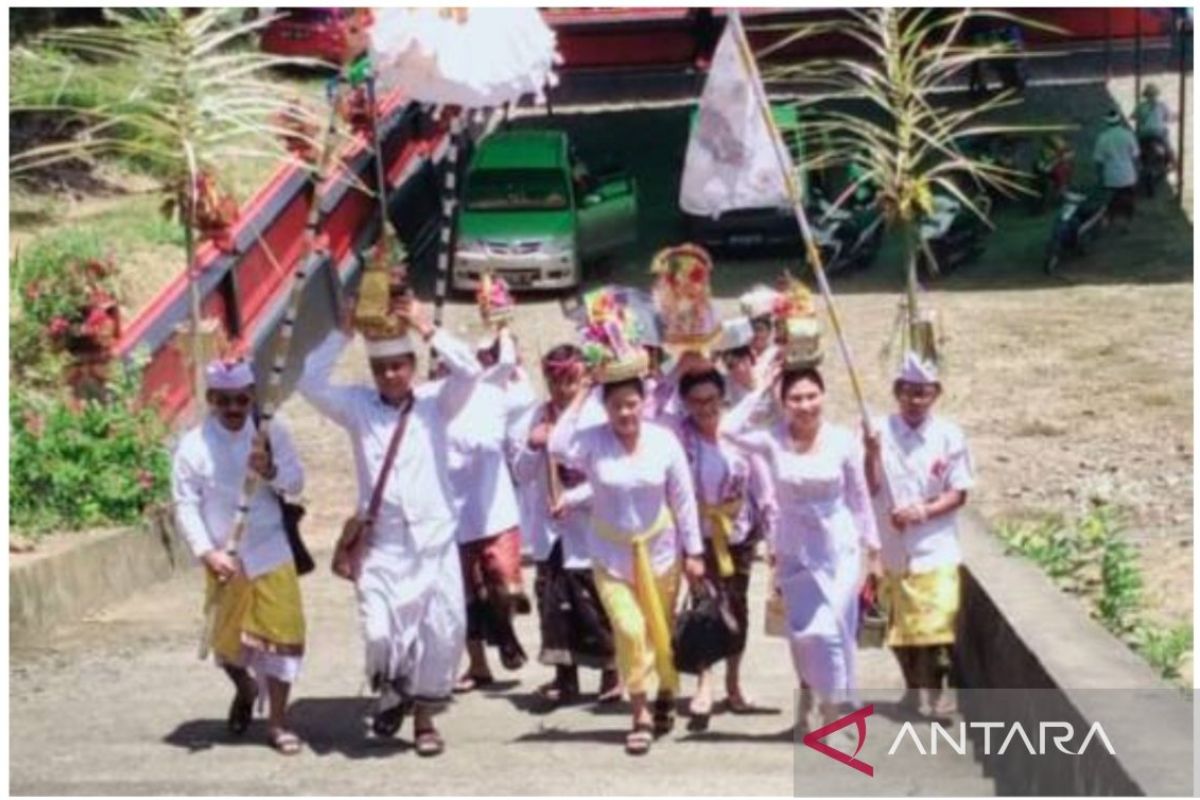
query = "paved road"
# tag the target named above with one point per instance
(120, 705)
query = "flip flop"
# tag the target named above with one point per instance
(638, 740)
(469, 683)
(241, 711)
(699, 714)
(285, 742)
(429, 743)
(512, 657)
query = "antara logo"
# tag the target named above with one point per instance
(1065, 734)
(1060, 734)
(859, 718)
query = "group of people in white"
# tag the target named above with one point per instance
(621, 491)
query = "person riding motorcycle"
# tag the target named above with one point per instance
(1054, 167)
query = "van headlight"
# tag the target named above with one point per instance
(559, 247)
(470, 246)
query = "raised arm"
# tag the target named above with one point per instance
(568, 442)
(525, 459)
(315, 383)
(744, 424)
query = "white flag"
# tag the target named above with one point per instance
(731, 159)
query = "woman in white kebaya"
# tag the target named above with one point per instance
(825, 527)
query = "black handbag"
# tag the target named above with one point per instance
(292, 514)
(705, 632)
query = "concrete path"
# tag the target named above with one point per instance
(119, 704)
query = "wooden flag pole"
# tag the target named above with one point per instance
(810, 246)
(282, 349)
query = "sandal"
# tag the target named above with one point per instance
(284, 742)
(740, 704)
(512, 657)
(386, 723)
(469, 683)
(558, 694)
(699, 714)
(638, 740)
(664, 715)
(241, 711)
(429, 743)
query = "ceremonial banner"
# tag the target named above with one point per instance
(731, 159)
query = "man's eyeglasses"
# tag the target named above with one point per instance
(239, 400)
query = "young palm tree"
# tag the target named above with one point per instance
(197, 102)
(896, 133)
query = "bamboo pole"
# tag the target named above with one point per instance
(282, 348)
(813, 252)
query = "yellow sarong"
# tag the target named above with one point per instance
(720, 517)
(648, 594)
(264, 613)
(922, 607)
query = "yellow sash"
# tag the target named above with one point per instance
(720, 518)
(646, 588)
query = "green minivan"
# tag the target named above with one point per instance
(534, 215)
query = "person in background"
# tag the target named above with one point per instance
(1116, 158)
(1153, 118)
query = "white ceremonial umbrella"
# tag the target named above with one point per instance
(469, 57)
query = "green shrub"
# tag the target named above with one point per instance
(84, 464)
(1070, 553)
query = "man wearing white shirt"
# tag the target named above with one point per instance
(258, 636)
(410, 585)
(919, 470)
(1116, 157)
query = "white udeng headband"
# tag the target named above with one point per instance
(390, 348)
(226, 376)
(915, 370)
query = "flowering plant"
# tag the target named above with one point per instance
(74, 300)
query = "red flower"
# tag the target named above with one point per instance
(58, 327)
(97, 321)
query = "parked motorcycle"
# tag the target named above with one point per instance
(952, 234)
(848, 238)
(1077, 223)
(1154, 163)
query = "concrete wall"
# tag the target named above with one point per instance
(80, 573)
(1017, 631)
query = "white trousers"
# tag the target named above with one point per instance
(411, 607)
(822, 606)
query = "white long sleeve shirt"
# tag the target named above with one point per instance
(630, 490)
(531, 471)
(208, 469)
(482, 485)
(824, 511)
(920, 465)
(417, 509)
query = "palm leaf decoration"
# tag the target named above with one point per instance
(197, 100)
(885, 113)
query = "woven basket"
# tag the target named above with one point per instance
(633, 365)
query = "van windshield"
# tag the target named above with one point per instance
(517, 190)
